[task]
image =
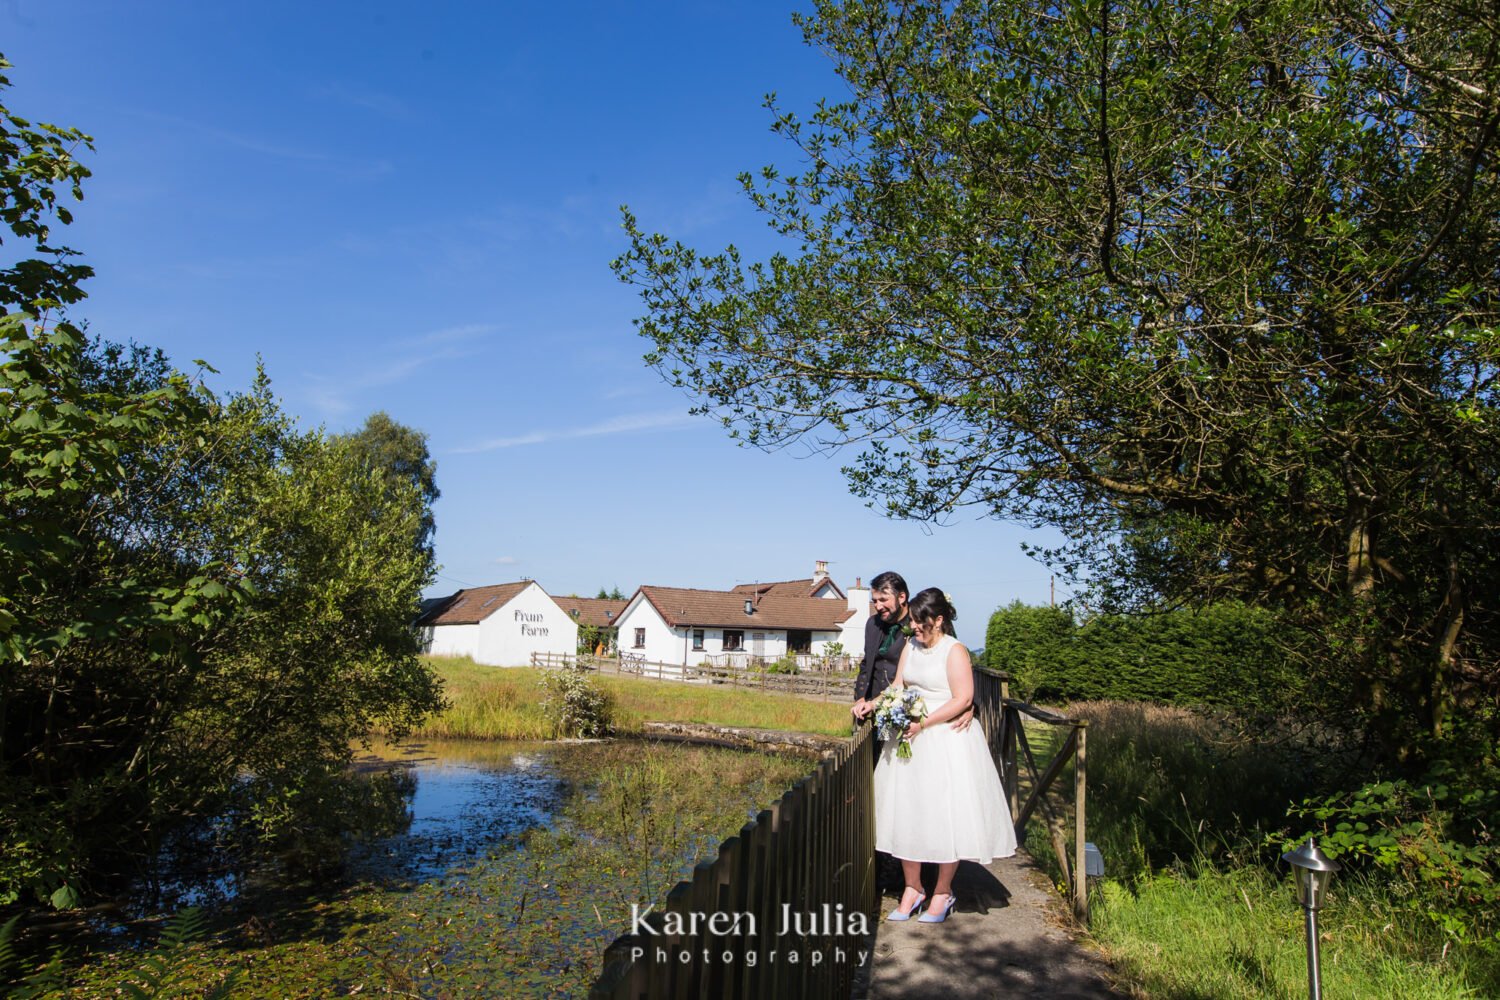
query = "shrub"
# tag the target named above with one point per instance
(575, 705)
(786, 665)
(1225, 655)
(1432, 833)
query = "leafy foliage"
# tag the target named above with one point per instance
(400, 454)
(1225, 655)
(1028, 643)
(35, 161)
(1432, 833)
(193, 592)
(576, 705)
(199, 604)
(160, 973)
(1210, 288)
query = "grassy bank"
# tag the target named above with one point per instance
(1238, 935)
(1187, 810)
(504, 704)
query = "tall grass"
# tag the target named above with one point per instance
(1188, 811)
(1169, 785)
(505, 703)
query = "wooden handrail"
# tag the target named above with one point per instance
(1001, 716)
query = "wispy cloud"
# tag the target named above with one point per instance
(368, 100)
(507, 561)
(341, 165)
(334, 395)
(627, 424)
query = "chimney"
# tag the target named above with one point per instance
(859, 600)
(820, 570)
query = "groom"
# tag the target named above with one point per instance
(885, 638)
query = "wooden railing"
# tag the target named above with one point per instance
(1001, 717)
(822, 684)
(797, 880)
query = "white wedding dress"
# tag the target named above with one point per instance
(944, 802)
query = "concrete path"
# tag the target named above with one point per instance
(1008, 937)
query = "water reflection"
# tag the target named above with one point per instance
(470, 798)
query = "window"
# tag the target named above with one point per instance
(734, 639)
(640, 638)
(697, 638)
(799, 640)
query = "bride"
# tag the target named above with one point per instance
(944, 803)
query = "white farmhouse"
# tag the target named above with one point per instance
(597, 614)
(752, 620)
(500, 625)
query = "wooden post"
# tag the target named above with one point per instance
(1080, 798)
(1060, 848)
(1008, 774)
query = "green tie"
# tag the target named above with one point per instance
(889, 638)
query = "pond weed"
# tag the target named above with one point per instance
(527, 917)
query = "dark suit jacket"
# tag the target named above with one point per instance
(878, 669)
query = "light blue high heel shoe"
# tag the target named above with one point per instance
(898, 916)
(928, 918)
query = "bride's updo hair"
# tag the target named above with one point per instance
(932, 603)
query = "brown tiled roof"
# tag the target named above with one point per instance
(789, 588)
(597, 611)
(472, 605)
(726, 609)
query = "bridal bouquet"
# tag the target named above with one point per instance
(895, 710)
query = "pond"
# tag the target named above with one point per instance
(519, 865)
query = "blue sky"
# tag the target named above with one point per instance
(412, 208)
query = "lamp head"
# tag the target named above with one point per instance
(1312, 870)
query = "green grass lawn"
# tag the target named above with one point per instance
(503, 703)
(1186, 811)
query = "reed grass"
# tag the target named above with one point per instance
(504, 704)
(1188, 811)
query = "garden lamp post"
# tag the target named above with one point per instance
(1313, 870)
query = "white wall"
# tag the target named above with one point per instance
(454, 640)
(530, 622)
(661, 645)
(668, 645)
(820, 641)
(852, 632)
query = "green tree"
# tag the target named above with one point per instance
(200, 606)
(1225, 655)
(1028, 643)
(613, 594)
(35, 161)
(1210, 287)
(400, 453)
(191, 592)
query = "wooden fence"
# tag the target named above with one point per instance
(786, 910)
(1001, 716)
(825, 685)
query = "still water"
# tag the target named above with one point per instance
(469, 796)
